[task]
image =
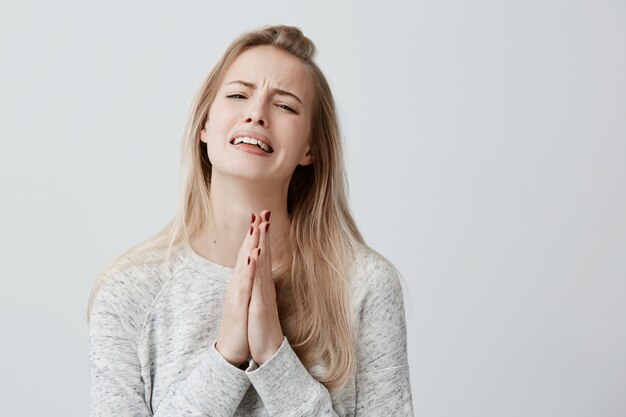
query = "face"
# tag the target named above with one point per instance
(265, 92)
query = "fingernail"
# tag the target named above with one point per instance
(267, 216)
(267, 227)
(253, 218)
(248, 260)
(251, 230)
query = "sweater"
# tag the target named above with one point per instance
(152, 336)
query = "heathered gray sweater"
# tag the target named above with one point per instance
(152, 349)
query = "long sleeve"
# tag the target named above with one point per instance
(287, 388)
(383, 385)
(382, 379)
(213, 388)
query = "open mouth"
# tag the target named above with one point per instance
(242, 140)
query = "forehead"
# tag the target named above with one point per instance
(267, 64)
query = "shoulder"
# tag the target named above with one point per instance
(378, 308)
(375, 276)
(371, 268)
(127, 287)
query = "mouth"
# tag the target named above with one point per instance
(248, 141)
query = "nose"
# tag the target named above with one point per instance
(256, 112)
(250, 119)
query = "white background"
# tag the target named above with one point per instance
(486, 150)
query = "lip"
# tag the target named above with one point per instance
(253, 149)
(251, 134)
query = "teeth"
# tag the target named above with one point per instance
(252, 141)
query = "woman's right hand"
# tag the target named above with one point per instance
(232, 342)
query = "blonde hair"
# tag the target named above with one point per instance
(313, 290)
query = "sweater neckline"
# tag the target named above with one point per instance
(202, 264)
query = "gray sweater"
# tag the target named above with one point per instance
(152, 349)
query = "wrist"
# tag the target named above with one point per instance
(269, 352)
(235, 360)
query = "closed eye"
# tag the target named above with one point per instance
(239, 96)
(287, 107)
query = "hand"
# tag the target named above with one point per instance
(232, 342)
(265, 334)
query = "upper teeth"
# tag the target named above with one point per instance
(252, 141)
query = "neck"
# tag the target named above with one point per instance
(232, 200)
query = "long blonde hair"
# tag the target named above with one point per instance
(313, 291)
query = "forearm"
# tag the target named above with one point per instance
(288, 389)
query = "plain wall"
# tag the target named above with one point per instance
(486, 152)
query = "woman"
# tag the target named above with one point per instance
(218, 316)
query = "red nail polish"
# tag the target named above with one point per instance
(251, 230)
(267, 216)
(267, 227)
(248, 260)
(253, 218)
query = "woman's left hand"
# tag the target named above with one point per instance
(265, 334)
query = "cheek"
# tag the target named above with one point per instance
(298, 128)
(219, 120)
(297, 139)
(302, 131)
(215, 114)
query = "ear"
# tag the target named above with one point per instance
(203, 135)
(308, 158)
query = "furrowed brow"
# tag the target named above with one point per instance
(287, 93)
(276, 90)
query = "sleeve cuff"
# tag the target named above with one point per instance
(282, 382)
(215, 385)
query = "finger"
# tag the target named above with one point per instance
(265, 244)
(265, 219)
(263, 233)
(254, 238)
(256, 257)
(246, 283)
(254, 223)
(249, 242)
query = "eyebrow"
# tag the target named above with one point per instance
(277, 90)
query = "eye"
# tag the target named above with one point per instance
(287, 108)
(233, 95)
